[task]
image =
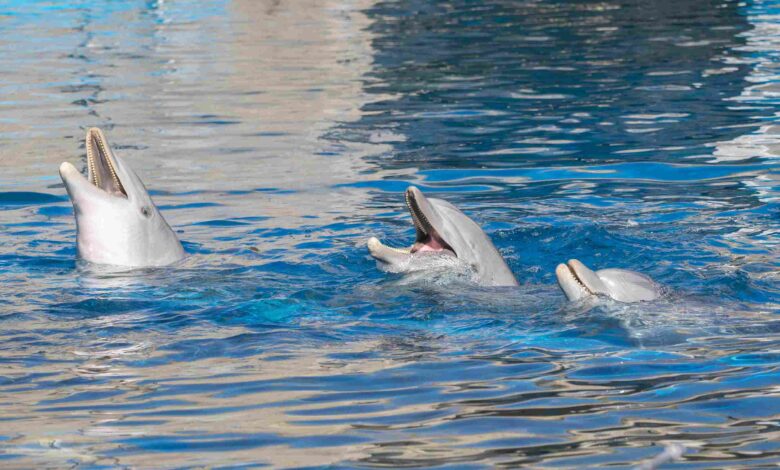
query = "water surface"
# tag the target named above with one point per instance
(277, 137)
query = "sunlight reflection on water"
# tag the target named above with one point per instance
(277, 137)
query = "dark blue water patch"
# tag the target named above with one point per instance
(40, 262)
(24, 233)
(103, 306)
(756, 359)
(767, 407)
(15, 199)
(55, 211)
(223, 442)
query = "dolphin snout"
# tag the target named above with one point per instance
(561, 271)
(67, 170)
(373, 245)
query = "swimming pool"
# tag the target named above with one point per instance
(276, 138)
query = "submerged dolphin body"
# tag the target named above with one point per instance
(578, 282)
(116, 221)
(444, 231)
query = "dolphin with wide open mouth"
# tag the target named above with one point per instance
(116, 221)
(442, 229)
(579, 282)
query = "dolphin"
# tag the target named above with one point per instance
(443, 230)
(578, 282)
(116, 221)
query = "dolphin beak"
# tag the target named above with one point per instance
(70, 174)
(387, 254)
(586, 277)
(569, 284)
(79, 189)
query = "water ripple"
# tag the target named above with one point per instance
(277, 137)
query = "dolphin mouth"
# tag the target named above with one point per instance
(426, 238)
(101, 165)
(573, 273)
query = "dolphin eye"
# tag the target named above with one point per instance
(146, 211)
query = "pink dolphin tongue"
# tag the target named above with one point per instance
(431, 243)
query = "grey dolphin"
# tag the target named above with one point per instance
(116, 221)
(578, 282)
(443, 230)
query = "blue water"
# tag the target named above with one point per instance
(277, 137)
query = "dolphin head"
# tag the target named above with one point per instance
(579, 282)
(441, 229)
(116, 221)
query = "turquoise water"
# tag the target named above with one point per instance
(277, 137)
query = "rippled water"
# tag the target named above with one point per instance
(277, 137)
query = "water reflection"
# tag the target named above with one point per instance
(620, 81)
(278, 136)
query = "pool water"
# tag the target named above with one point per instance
(277, 137)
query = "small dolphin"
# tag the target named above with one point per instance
(116, 221)
(579, 282)
(441, 229)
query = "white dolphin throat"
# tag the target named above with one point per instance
(443, 230)
(117, 222)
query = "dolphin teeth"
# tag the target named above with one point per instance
(417, 215)
(96, 143)
(578, 280)
(95, 177)
(111, 168)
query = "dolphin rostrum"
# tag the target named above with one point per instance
(441, 229)
(116, 221)
(578, 282)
